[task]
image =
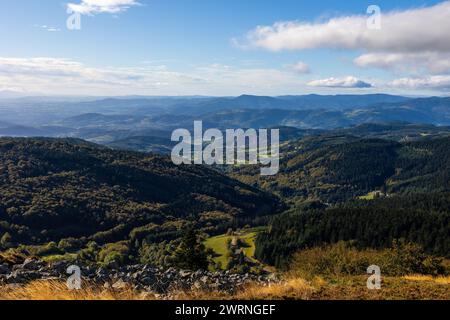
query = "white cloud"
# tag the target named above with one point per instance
(52, 76)
(423, 83)
(348, 82)
(101, 6)
(48, 28)
(414, 43)
(64, 76)
(300, 67)
(401, 31)
(431, 62)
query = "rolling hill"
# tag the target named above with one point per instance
(334, 168)
(53, 189)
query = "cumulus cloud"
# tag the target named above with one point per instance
(413, 42)
(410, 30)
(300, 67)
(423, 83)
(348, 82)
(101, 6)
(431, 62)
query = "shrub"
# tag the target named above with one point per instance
(70, 244)
(114, 254)
(50, 248)
(90, 253)
(344, 259)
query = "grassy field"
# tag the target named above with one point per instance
(369, 196)
(219, 245)
(59, 257)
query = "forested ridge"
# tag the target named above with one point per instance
(68, 198)
(337, 168)
(55, 190)
(423, 219)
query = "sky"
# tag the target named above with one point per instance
(224, 48)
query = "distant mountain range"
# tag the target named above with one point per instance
(147, 122)
(306, 102)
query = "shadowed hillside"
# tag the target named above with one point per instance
(52, 190)
(336, 168)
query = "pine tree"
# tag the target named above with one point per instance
(191, 254)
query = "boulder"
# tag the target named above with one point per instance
(120, 284)
(31, 264)
(4, 269)
(185, 274)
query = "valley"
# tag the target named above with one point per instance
(99, 190)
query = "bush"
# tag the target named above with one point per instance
(114, 254)
(157, 255)
(344, 259)
(90, 253)
(50, 248)
(70, 244)
(408, 258)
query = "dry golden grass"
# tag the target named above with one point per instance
(55, 290)
(298, 289)
(417, 287)
(438, 280)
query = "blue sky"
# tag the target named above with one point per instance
(212, 47)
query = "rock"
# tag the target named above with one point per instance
(31, 264)
(170, 270)
(140, 277)
(59, 266)
(199, 273)
(204, 279)
(15, 277)
(4, 269)
(148, 280)
(120, 284)
(17, 267)
(185, 274)
(197, 285)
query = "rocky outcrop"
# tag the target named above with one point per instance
(139, 277)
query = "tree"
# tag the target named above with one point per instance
(191, 254)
